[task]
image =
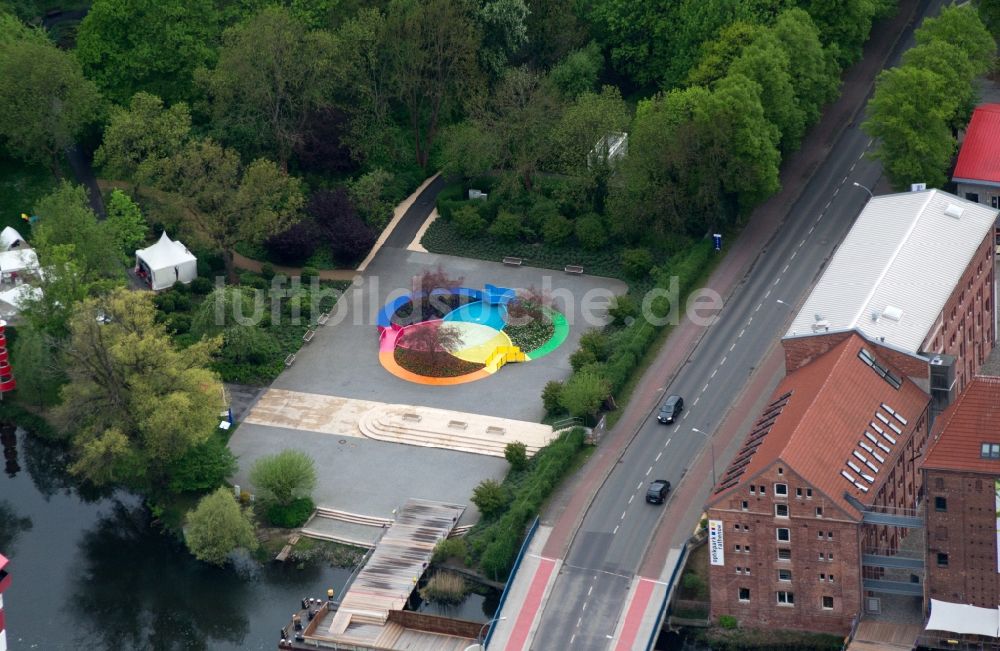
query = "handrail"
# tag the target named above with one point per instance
(510, 579)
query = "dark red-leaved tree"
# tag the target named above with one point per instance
(432, 339)
(296, 244)
(322, 148)
(437, 280)
(347, 235)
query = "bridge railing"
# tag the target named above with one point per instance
(671, 583)
(510, 579)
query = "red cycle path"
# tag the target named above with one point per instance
(633, 618)
(532, 603)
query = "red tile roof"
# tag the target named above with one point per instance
(832, 404)
(969, 422)
(979, 158)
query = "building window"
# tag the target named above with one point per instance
(783, 534)
(781, 470)
(744, 594)
(798, 492)
(942, 559)
(990, 451)
(972, 196)
(746, 548)
(781, 489)
(821, 557)
(829, 535)
(809, 493)
(745, 505)
(827, 603)
(822, 577)
(940, 503)
(784, 554)
(753, 489)
(736, 526)
(831, 578)
(781, 510)
(819, 534)
(784, 575)
(829, 556)
(786, 598)
(762, 490)
(819, 511)
(739, 548)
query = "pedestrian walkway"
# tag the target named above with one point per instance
(527, 591)
(393, 423)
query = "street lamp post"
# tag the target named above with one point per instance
(479, 638)
(711, 447)
(871, 195)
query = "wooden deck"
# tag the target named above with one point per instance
(387, 579)
(884, 636)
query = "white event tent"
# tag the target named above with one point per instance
(963, 619)
(166, 263)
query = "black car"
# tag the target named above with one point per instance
(671, 409)
(657, 491)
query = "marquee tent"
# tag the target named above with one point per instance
(166, 263)
(963, 619)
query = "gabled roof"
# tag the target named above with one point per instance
(839, 414)
(979, 158)
(879, 282)
(964, 426)
(165, 253)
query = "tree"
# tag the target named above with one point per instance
(349, 237)
(125, 224)
(133, 403)
(39, 372)
(370, 197)
(554, 30)
(814, 75)
(127, 46)
(217, 527)
(765, 62)
(844, 26)
(516, 454)
(203, 467)
(65, 218)
(578, 72)
(283, 477)
(432, 338)
(960, 26)
(46, 100)
(915, 140)
(504, 33)
(230, 204)
(719, 53)
(432, 47)
(490, 497)
(272, 74)
(63, 283)
(584, 393)
(324, 145)
(952, 64)
(295, 244)
(989, 13)
(139, 138)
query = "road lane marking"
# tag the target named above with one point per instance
(741, 333)
(844, 181)
(623, 515)
(695, 403)
(724, 358)
(733, 346)
(714, 372)
(777, 280)
(667, 443)
(801, 243)
(649, 470)
(768, 292)
(836, 191)
(811, 229)
(637, 487)
(659, 454)
(578, 620)
(757, 308)
(684, 416)
(704, 388)
(584, 609)
(631, 497)
(572, 638)
(785, 269)
(854, 164)
(592, 587)
(794, 252)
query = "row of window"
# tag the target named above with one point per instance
(785, 576)
(787, 598)
(781, 490)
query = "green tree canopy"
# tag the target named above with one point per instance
(284, 477)
(133, 403)
(126, 227)
(960, 26)
(127, 46)
(46, 100)
(272, 73)
(65, 218)
(505, 32)
(432, 48)
(217, 527)
(140, 137)
(915, 141)
(814, 74)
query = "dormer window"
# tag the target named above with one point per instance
(989, 451)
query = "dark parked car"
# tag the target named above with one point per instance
(657, 491)
(671, 409)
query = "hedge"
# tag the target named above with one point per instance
(495, 542)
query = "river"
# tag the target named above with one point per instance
(90, 571)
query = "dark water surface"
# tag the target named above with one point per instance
(92, 572)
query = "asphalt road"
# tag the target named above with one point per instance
(588, 596)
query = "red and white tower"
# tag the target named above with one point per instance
(4, 584)
(7, 382)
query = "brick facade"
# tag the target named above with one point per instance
(963, 528)
(823, 558)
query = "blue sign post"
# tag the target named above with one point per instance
(717, 241)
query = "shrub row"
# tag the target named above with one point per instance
(495, 542)
(753, 639)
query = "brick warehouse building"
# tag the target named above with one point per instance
(839, 436)
(962, 478)
(914, 277)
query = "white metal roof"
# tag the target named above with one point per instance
(899, 264)
(165, 253)
(18, 260)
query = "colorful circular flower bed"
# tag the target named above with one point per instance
(463, 334)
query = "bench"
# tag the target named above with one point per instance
(412, 417)
(323, 318)
(498, 431)
(458, 424)
(573, 269)
(308, 336)
(290, 359)
(513, 261)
